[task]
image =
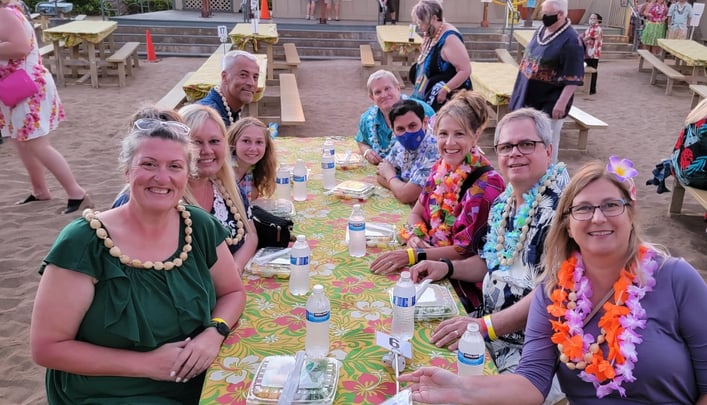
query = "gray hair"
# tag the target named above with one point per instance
(229, 59)
(380, 74)
(543, 125)
(424, 10)
(558, 5)
(136, 137)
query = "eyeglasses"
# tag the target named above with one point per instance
(611, 208)
(525, 147)
(151, 124)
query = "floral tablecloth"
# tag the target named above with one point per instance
(209, 75)
(273, 322)
(691, 52)
(394, 38)
(74, 32)
(494, 81)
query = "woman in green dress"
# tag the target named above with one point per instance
(135, 302)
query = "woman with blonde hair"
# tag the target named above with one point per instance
(254, 157)
(214, 187)
(615, 318)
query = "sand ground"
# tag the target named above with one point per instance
(643, 126)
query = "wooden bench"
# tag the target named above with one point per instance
(675, 207)
(292, 60)
(583, 121)
(699, 93)
(367, 61)
(291, 112)
(658, 65)
(47, 53)
(504, 56)
(124, 59)
(175, 97)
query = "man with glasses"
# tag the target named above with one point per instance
(239, 81)
(551, 69)
(508, 261)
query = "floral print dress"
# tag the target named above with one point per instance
(41, 113)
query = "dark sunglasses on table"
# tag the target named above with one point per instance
(151, 124)
(611, 208)
(525, 147)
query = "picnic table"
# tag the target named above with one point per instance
(273, 322)
(243, 37)
(209, 75)
(686, 52)
(394, 41)
(494, 81)
(523, 37)
(66, 39)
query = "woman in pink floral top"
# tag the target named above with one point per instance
(28, 122)
(656, 12)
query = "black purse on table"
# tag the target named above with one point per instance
(273, 231)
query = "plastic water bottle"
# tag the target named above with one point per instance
(329, 147)
(299, 177)
(316, 341)
(299, 266)
(404, 307)
(470, 356)
(328, 170)
(282, 180)
(357, 232)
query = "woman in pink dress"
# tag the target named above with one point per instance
(28, 122)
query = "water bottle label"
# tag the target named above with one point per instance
(327, 165)
(299, 261)
(470, 359)
(283, 180)
(357, 226)
(404, 301)
(300, 179)
(318, 317)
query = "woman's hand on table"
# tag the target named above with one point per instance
(449, 331)
(197, 355)
(390, 262)
(428, 269)
(433, 385)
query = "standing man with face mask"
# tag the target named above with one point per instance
(551, 69)
(406, 168)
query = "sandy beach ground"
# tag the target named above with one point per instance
(643, 126)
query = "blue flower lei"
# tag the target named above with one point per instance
(500, 251)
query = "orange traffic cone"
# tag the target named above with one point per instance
(264, 10)
(151, 56)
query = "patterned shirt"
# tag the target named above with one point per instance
(472, 211)
(679, 14)
(414, 166)
(548, 66)
(593, 39)
(373, 129)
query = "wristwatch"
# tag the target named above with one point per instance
(421, 255)
(221, 327)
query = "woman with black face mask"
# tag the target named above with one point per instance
(551, 69)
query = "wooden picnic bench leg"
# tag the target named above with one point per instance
(582, 139)
(640, 63)
(75, 57)
(654, 74)
(669, 86)
(675, 207)
(268, 51)
(93, 65)
(59, 64)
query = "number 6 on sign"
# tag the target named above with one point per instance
(393, 344)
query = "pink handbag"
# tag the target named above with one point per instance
(15, 87)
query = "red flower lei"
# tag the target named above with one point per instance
(442, 202)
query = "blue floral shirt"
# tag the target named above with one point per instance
(373, 130)
(415, 166)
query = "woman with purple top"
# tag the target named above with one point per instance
(615, 317)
